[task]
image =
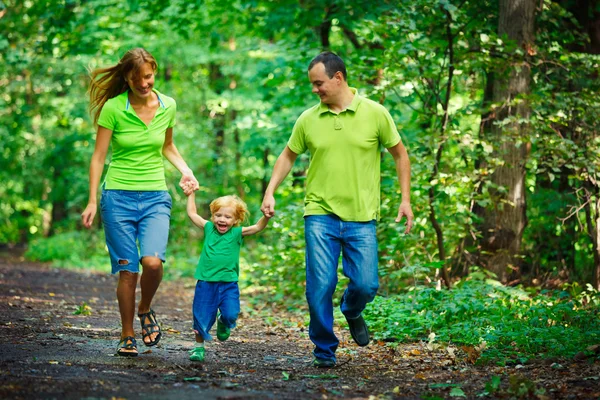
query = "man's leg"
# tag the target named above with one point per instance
(359, 260)
(322, 253)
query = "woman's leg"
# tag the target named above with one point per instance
(152, 274)
(119, 213)
(126, 298)
(153, 231)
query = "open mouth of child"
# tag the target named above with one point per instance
(222, 228)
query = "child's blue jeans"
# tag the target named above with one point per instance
(211, 297)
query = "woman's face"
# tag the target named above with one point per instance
(141, 84)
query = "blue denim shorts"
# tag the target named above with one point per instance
(131, 217)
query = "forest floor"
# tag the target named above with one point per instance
(48, 351)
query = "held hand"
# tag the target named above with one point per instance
(87, 216)
(188, 183)
(405, 211)
(268, 206)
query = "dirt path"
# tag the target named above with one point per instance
(46, 351)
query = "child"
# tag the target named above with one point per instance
(218, 268)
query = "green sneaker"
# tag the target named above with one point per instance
(223, 332)
(197, 354)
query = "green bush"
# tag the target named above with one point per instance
(75, 249)
(509, 322)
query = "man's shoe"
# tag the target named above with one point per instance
(359, 330)
(323, 363)
(223, 332)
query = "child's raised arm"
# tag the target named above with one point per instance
(259, 226)
(191, 211)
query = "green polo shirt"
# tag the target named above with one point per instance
(137, 160)
(345, 152)
(220, 258)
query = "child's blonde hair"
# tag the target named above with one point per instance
(240, 208)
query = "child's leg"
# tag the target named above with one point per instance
(206, 303)
(230, 309)
(205, 312)
(197, 353)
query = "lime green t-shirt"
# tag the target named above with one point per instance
(345, 152)
(137, 160)
(220, 257)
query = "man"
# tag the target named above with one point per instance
(343, 134)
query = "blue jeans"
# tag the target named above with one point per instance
(326, 237)
(130, 217)
(211, 297)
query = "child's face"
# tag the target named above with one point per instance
(224, 219)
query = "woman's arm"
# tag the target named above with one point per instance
(172, 154)
(259, 226)
(103, 137)
(192, 213)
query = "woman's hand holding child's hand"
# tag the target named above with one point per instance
(189, 188)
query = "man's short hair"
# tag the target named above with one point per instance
(332, 62)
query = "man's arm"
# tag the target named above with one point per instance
(282, 168)
(403, 171)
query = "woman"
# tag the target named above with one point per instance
(135, 204)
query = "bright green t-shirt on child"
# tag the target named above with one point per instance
(345, 152)
(220, 257)
(137, 160)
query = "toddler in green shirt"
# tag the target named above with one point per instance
(218, 269)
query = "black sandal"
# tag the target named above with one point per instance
(150, 327)
(128, 344)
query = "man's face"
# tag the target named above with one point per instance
(325, 87)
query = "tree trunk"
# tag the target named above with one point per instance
(503, 223)
(592, 216)
(596, 240)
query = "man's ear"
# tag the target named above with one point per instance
(339, 76)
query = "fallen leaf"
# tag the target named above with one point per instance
(450, 351)
(322, 376)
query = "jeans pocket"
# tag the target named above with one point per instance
(103, 200)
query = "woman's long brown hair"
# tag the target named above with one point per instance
(109, 82)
